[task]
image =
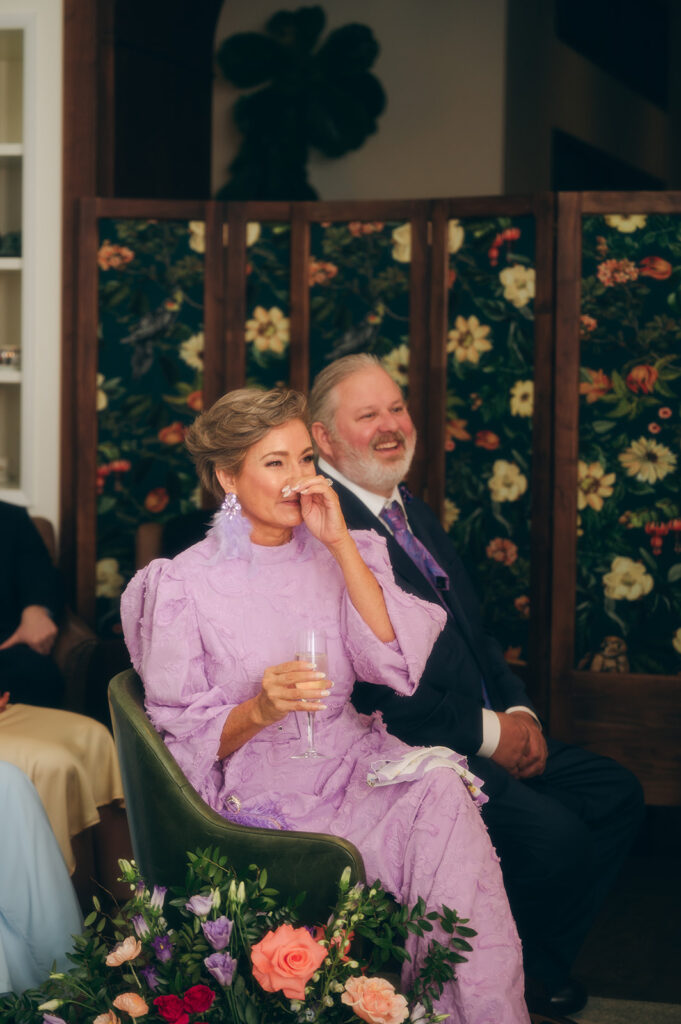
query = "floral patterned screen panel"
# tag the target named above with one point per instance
(267, 304)
(149, 387)
(628, 608)
(488, 432)
(359, 293)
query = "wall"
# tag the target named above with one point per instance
(442, 66)
(42, 20)
(550, 86)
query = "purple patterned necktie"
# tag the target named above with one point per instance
(393, 515)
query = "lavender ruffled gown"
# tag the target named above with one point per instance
(202, 629)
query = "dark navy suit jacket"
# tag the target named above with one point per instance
(27, 575)
(447, 705)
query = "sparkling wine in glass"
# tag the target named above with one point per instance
(311, 646)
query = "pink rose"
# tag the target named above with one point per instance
(375, 1001)
(131, 1003)
(285, 960)
(129, 949)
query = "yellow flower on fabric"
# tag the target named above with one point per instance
(648, 460)
(626, 223)
(109, 582)
(522, 398)
(676, 640)
(402, 240)
(268, 330)
(402, 243)
(197, 235)
(396, 363)
(455, 235)
(519, 283)
(507, 483)
(593, 485)
(252, 232)
(468, 339)
(450, 514)
(627, 580)
(191, 351)
(102, 397)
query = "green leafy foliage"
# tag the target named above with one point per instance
(365, 932)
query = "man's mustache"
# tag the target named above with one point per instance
(395, 435)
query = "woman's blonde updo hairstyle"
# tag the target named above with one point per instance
(220, 437)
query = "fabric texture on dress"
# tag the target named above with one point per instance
(201, 631)
(38, 908)
(71, 760)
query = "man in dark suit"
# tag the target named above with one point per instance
(562, 819)
(31, 601)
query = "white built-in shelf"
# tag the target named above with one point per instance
(11, 150)
(10, 375)
(11, 262)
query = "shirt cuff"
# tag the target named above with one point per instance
(529, 711)
(491, 733)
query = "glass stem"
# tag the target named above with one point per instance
(310, 730)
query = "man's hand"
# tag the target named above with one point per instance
(522, 748)
(533, 759)
(36, 630)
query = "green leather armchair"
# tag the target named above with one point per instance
(167, 818)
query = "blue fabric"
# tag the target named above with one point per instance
(39, 912)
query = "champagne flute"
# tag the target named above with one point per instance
(311, 646)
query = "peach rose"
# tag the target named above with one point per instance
(131, 1003)
(487, 439)
(285, 960)
(156, 500)
(642, 377)
(112, 257)
(128, 949)
(655, 266)
(195, 401)
(172, 434)
(107, 1018)
(375, 1001)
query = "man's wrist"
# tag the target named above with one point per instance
(522, 708)
(491, 733)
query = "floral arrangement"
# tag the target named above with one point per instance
(225, 950)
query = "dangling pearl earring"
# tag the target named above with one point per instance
(230, 505)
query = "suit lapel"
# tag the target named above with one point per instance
(450, 596)
(359, 517)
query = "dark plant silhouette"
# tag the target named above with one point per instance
(323, 97)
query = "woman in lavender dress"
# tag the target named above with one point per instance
(212, 634)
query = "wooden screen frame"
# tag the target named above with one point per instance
(635, 718)
(81, 444)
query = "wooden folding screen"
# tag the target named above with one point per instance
(616, 630)
(179, 302)
(181, 298)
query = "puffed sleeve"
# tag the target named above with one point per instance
(416, 623)
(163, 635)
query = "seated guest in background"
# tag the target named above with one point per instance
(212, 633)
(31, 600)
(562, 819)
(38, 907)
(71, 760)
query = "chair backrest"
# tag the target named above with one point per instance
(168, 818)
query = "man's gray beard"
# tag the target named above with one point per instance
(366, 471)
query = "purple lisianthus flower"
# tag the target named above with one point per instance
(51, 1018)
(158, 896)
(221, 966)
(200, 905)
(150, 975)
(217, 932)
(163, 947)
(140, 925)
